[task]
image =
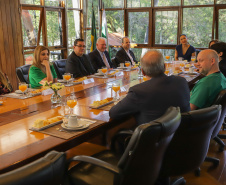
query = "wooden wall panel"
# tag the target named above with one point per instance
(11, 43)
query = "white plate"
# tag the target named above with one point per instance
(47, 126)
(96, 107)
(75, 83)
(99, 74)
(20, 92)
(83, 126)
(122, 67)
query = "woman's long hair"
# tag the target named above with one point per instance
(36, 58)
(4, 81)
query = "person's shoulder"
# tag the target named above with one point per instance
(34, 68)
(120, 50)
(93, 53)
(192, 47)
(178, 46)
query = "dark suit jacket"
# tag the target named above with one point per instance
(149, 100)
(79, 66)
(121, 56)
(97, 60)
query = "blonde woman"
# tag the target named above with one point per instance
(41, 70)
(5, 86)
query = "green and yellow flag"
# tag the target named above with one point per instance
(93, 32)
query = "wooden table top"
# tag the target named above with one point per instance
(20, 145)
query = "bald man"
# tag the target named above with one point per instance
(206, 90)
(150, 99)
(100, 57)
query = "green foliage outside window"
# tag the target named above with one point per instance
(222, 23)
(166, 27)
(197, 25)
(54, 28)
(138, 24)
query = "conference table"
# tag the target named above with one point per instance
(19, 145)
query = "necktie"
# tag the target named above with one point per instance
(105, 61)
(131, 58)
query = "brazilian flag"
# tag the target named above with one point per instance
(93, 32)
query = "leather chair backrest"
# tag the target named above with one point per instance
(49, 170)
(115, 62)
(22, 73)
(141, 161)
(59, 66)
(190, 143)
(220, 100)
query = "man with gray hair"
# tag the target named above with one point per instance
(206, 90)
(149, 100)
(99, 56)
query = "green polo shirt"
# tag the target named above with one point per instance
(206, 90)
(36, 75)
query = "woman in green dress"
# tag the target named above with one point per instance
(41, 70)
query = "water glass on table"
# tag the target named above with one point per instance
(104, 70)
(71, 102)
(127, 64)
(67, 77)
(115, 91)
(23, 88)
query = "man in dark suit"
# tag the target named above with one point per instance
(100, 57)
(79, 63)
(149, 100)
(124, 53)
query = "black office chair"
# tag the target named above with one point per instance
(139, 164)
(59, 66)
(220, 100)
(190, 143)
(49, 170)
(115, 62)
(22, 73)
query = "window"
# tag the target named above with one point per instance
(197, 25)
(45, 24)
(30, 25)
(138, 27)
(115, 24)
(113, 4)
(198, 2)
(167, 2)
(222, 23)
(52, 3)
(33, 2)
(138, 3)
(54, 28)
(73, 26)
(166, 26)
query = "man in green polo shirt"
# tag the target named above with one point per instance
(206, 90)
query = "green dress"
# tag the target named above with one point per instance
(36, 75)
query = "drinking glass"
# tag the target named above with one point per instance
(71, 102)
(23, 87)
(182, 64)
(116, 88)
(145, 78)
(127, 64)
(192, 58)
(104, 70)
(167, 57)
(67, 77)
